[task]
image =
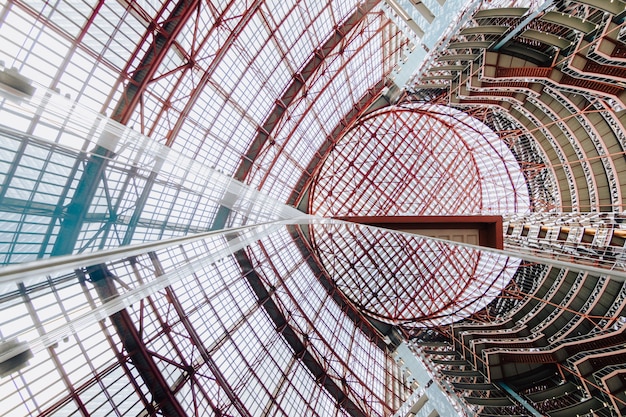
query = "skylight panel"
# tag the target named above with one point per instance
(342, 9)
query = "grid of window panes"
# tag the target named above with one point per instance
(353, 68)
(334, 340)
(240, 67)
(415, 160)
(91, 363)
(34, 184)
(207, 97)
(407, 280)
(40, 177)
(215, 85)
(79, 48)
(207, 334)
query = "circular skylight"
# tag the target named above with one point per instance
(419, 160)
(415, 160)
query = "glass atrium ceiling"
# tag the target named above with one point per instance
(249, 90)
(141, 110)
(420, 160)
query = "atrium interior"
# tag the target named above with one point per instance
(330, 208)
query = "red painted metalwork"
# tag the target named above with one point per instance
(198, 343)
(396, 278)
(426, 181)
(304, 183)
(318, 59)
(290, 135)
(140, 71)
(298, 342)
(300, 80)
(210, 69)
(135, 346)
(400, 279)
(192, 58)
(333, 290)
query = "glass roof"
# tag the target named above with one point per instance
(244, 89)
(141, 110)
(419, 160)
(407, 280)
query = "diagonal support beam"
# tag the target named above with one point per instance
(150, 62)
(87, 186)
(101, 278)
(197, 341)
(331, 288)
(299, 82)
(299, 347)
(77, 209)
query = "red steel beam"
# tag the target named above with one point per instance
(142, 75)
(387, 147)
(299, 346)
(311, 103)
(310, 319)
(208, 73)
(393, 287)
(191, 101)
(299, 82)
(303, 184)
(331, 288)
(196, 340)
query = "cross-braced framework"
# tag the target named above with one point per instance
(247, 341)
(415, 159)
(166, 102)
(222, 89)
